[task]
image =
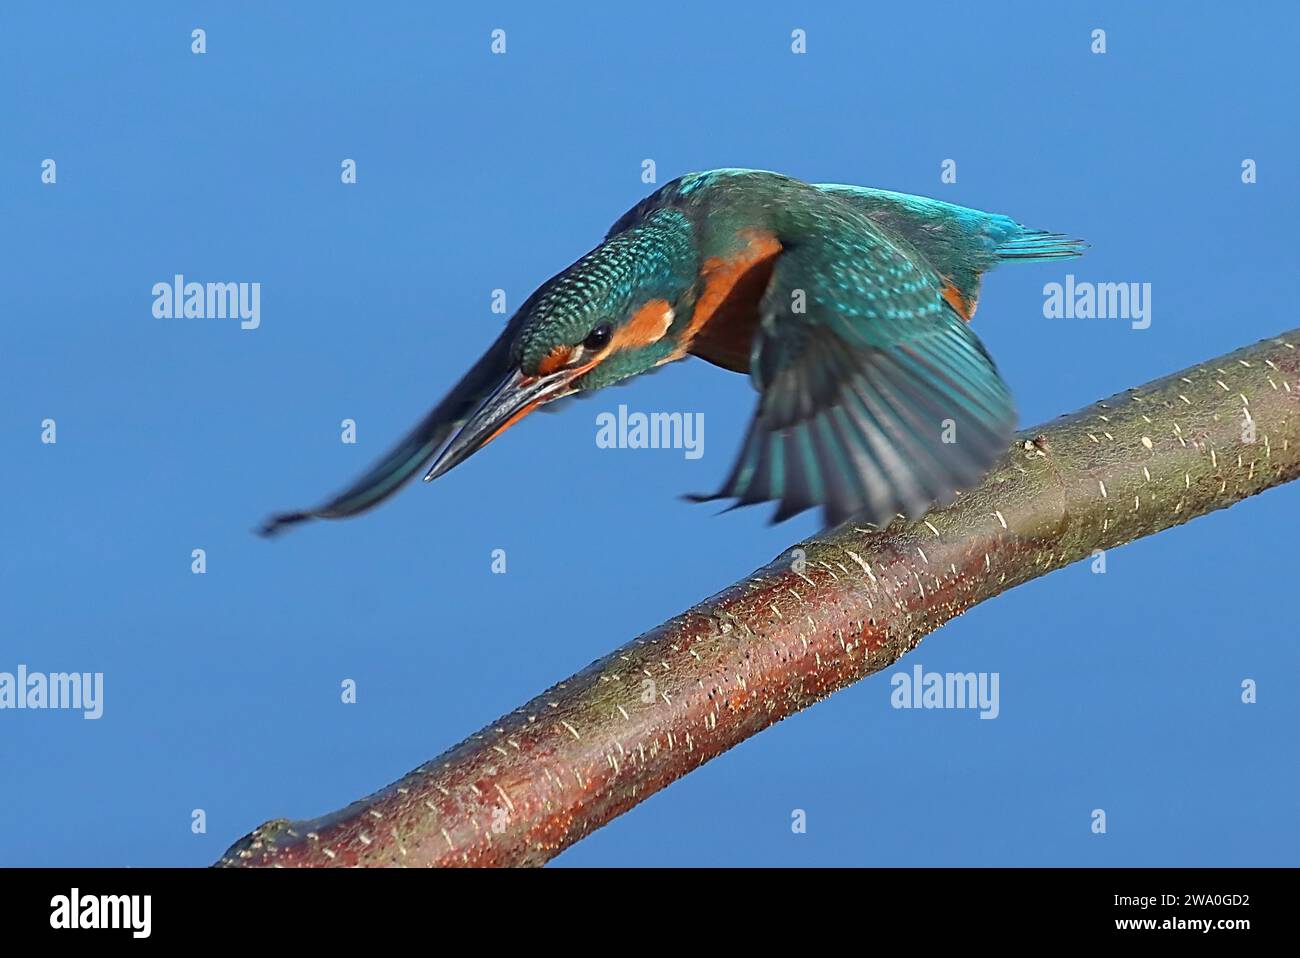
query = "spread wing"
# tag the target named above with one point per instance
(416, 448)
(875, 397)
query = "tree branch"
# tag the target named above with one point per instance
(842, 605)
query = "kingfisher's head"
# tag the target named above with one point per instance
(617, 312)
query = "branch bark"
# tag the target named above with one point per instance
(836, 608)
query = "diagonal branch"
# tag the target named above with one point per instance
(839, 607)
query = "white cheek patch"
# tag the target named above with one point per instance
(678, 353)
(669, 316)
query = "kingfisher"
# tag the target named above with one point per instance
(848, 308)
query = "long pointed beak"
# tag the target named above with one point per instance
(514, 398)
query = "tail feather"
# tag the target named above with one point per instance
(959, 242)
(1039, 246)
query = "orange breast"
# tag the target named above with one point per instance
(963, 305)
(726, 311)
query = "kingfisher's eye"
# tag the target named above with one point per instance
(598, 338)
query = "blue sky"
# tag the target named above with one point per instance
(477, 172)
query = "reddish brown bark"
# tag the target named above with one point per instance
(834, 609)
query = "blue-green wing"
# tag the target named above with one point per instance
(416, 448)
(875, 397)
